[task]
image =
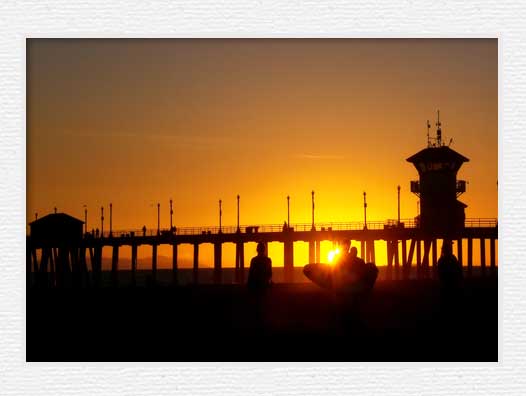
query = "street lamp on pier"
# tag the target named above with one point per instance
(312, 194)
(288, 211)
(101, 221)
(220, 214)
(364, 211)
(238, 229)
(158, 218)
(171, 215)
(398, 189)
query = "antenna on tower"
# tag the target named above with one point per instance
(428, 141)
(439, 130)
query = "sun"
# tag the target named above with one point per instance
(331, 257)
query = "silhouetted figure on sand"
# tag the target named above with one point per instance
(344, 259)
(260, 273)
(356, 263)
(351, 270)
(449, 269)
(349, 266)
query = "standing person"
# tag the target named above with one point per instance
(349, 267)
(260, 273)
(356, 263)
(344, 260)
(449, 269)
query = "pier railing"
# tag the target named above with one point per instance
(265, 228)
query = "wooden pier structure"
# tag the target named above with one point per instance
(407, 246)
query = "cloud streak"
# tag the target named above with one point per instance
(320, 156)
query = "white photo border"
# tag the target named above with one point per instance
(503, 20)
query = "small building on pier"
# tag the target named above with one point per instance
(441, 213)
(56, 229)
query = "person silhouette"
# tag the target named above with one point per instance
(144, 230)
(349, 267)
(345, 251)
(356, 263)
(448, 267)
(351, 273)
(260, 272)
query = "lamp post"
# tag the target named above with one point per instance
(101, 221)
(398, 188)
(238, 229)
(220, 214)
(312, 194)
(158, 218)
(288, 211)
(364, 211)
(111, 216)
(171, 215)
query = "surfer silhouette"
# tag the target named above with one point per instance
(344, 260)
(260, 272)
(356, 263)
(350, 269)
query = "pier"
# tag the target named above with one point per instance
(65, 243)
(407, 247)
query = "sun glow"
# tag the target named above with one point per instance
(331, 257)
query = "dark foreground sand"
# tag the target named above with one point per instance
(400, 321)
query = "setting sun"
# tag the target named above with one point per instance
(331, 257)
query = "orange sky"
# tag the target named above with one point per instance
(134, 122)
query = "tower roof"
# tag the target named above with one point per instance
(442, 153)
(54, 218)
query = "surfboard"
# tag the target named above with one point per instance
(325, 276)
(320, 274)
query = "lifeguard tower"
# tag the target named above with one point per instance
(441, 213)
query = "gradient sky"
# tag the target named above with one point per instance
(134, 122)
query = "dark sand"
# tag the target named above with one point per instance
(400, 321)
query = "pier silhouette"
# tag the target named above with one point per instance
(406, 243)
(65, 249)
